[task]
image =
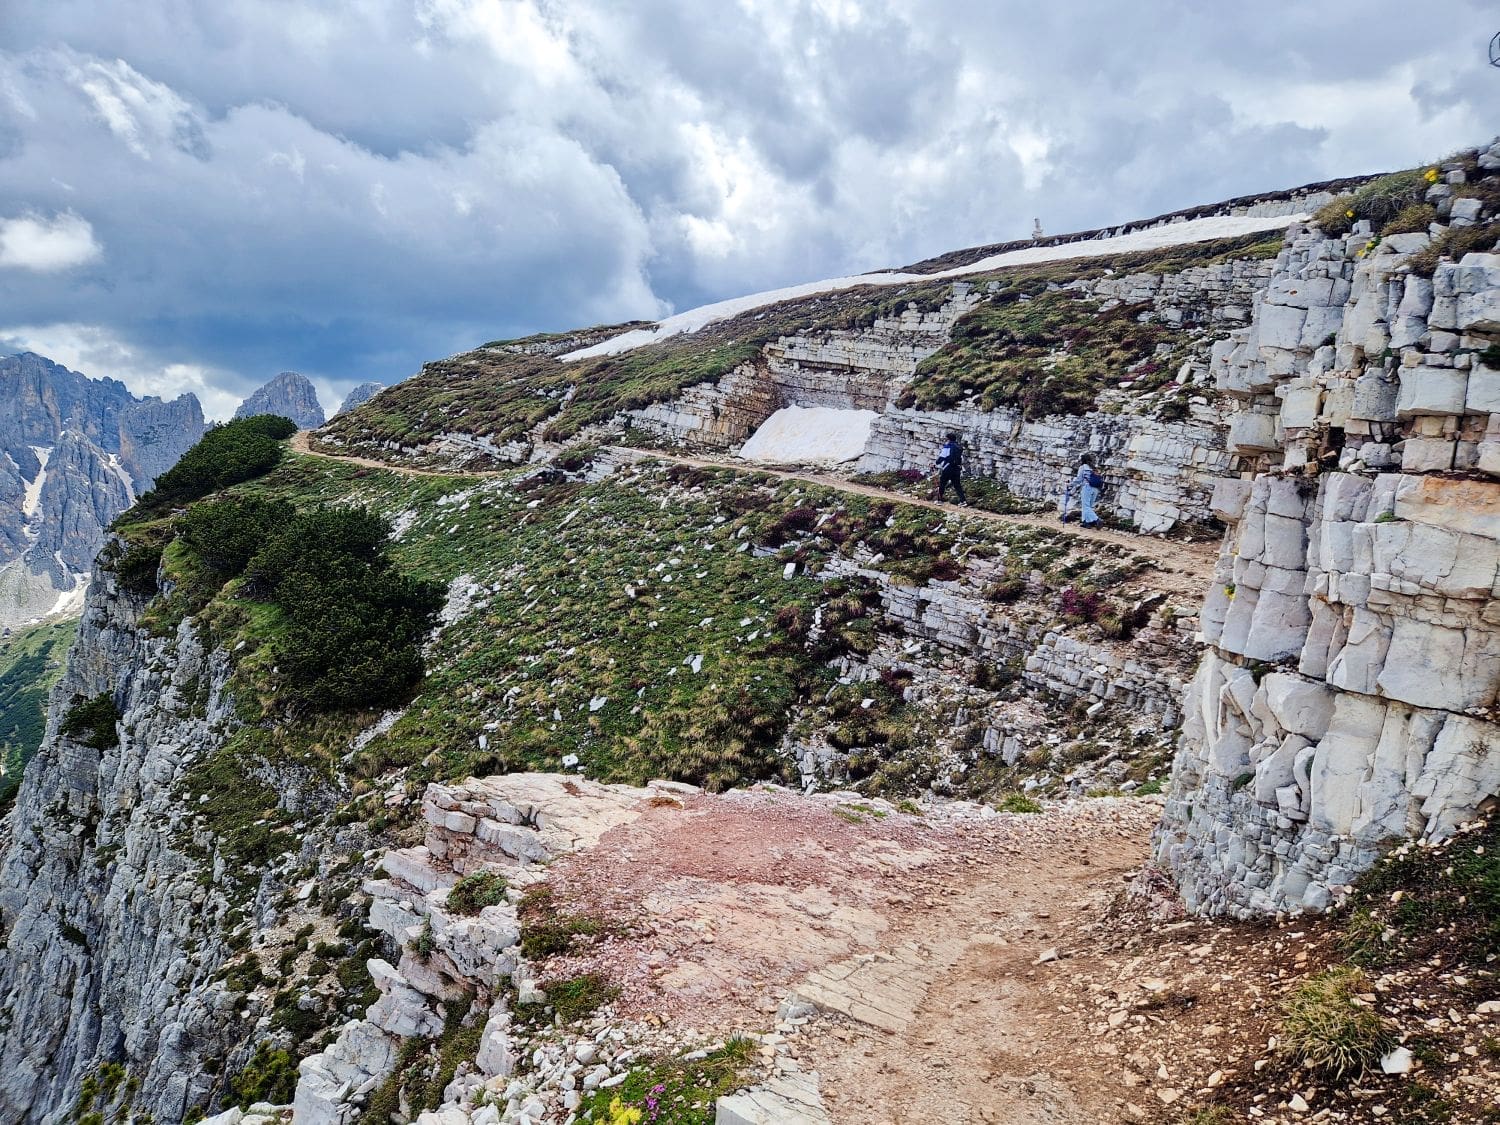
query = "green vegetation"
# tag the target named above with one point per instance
(227, 454)
(507, 389)
(1327, 1028)
(92, 721)
(423, 1067)
(1424, 902)
(982, 492)
(1019, 803)
(546, 931)
(1453, 244)
(352, 625)
(1415, 218)
(574, 998)
(1044, 352)
(269, 1076)
(1380, 201)
(673, 1089)
(31, 661)
(105, 1094)
(626, 621)
(473, 893)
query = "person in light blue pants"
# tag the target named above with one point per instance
(1085, 484)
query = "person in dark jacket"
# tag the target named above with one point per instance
(949, 465)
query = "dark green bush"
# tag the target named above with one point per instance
(92, 721)
(225, 455)
(354, 626)
(580, 996)
(227, 534)
(137, 568)
(269, 1076)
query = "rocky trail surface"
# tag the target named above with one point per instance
(1183, 566)
(928, 963)
(921, 944)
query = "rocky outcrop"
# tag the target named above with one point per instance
(510, 826)
(1161, 471)
(76, 453)
(856, 369)
(359, 396)
(288, 394)
(1348, 697)
(112, 937)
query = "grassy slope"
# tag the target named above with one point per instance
(589, 605)
(31, 661)
(503, 391)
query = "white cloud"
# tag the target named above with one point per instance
(31, 242)
(349, 189)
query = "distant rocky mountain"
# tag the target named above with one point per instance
(359, 396)
(74, 453)
(289, 394)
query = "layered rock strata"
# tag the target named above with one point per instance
(509, 825)
(1348, 697)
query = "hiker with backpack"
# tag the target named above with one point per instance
(1086, 483)
(949, 463)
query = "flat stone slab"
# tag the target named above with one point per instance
(787, 1099)
(883, 990)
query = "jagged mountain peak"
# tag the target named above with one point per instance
(358, 397)
(289, 394)
(75, 451)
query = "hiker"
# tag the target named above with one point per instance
(1086, 483)
(949, 462)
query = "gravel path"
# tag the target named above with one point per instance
(1183, 567)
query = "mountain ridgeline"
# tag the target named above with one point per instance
(77, 452)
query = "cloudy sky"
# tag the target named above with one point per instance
(196, 194)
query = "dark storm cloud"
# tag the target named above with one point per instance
(196, 195)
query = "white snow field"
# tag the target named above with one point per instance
(802, 434)
(1152, 238)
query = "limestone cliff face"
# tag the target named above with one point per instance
(1161, 471)
(111, 935)
(74, 453)
(1348, 696)
(290, 395)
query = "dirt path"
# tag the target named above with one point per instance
(923, 945)
(1192, 560)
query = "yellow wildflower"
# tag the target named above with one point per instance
(1348, 214)
(1431, 175)
(622, 1114)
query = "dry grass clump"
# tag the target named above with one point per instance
(1328, 1028)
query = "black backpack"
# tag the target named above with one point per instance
(1094, 479)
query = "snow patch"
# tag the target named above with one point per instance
(1152, 238)
(33, 497)
(119, 471)
(810, 433)
(70, 602)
